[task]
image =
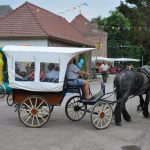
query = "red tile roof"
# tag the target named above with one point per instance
(1, 17)
(29, 20)
(82, 24)
(88, 29)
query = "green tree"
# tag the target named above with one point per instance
(138, 13)
(117, 27)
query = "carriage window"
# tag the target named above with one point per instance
(24, 71)
(49, 72)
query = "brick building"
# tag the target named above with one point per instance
(30, 24)
(91, 32)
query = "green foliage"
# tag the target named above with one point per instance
(138, 12)
(118, 28)
(131, 38)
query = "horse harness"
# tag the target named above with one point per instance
(144, 71)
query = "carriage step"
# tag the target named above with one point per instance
(88, 100)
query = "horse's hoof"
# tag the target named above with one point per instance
(147, 116)
(129, 120)
(118, 124)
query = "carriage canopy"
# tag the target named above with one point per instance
(29, 67)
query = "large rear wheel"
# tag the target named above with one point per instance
(34, 111)
(75, 110)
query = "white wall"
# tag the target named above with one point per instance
(40, 42)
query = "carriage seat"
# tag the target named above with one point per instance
(72, 89)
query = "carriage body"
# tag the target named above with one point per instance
(23, 60)
(36, 94)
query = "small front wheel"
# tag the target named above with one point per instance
(75, 110)
(101, 115)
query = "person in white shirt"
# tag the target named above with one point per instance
(104, 67)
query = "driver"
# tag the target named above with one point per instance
(72, 74)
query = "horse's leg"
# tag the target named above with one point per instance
(118, 108)
(141, 105)
(125, 114)
(117, 114)
(146, 103)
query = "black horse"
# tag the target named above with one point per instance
(131, 83)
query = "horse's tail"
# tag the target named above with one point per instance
(118, 86)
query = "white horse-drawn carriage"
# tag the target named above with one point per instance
(36, 95)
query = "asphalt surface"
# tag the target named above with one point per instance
(60, 133)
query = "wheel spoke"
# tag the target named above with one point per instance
(71, 106)
(75, 113)
(27, 105)
(108, 109)
(78, 114)
(101, 121)
(104, 106)
(37, 120)
(75, 102)
(41, 117)
(25, 114)
(43, 113)
(96, 119)
(40, 104)
(81, 112)
(32, 120)
(45, 109)
(28, 118)
(104, 119)
(71, 103)
(31, 102)
(98, 122)
(108, 114)
(35, 102)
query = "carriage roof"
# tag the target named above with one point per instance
(58, 50)
(37, 55)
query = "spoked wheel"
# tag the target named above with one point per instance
(101, 115)
(10, 100)
(2, 91)
(34, 111)
(75, 110)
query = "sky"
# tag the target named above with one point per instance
(71, 8)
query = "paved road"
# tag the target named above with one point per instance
(62, 134)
